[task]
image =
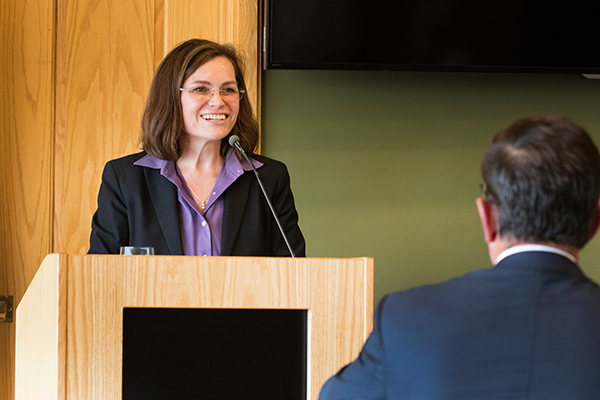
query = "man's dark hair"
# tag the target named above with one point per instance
(543, 175)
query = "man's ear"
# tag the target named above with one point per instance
(487, 215)
(596, 223)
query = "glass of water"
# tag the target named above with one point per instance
(137, 251)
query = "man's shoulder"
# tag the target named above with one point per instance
(516, 275)
(458, 294)
(453, 284)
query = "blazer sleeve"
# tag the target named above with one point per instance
(110, 223)
(363, 379)
(284, 205)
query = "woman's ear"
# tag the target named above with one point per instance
(487, 215)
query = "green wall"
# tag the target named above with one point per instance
(386, 164)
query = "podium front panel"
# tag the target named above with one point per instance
(336, 295)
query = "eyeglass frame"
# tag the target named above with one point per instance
(485, 194)
(212, 92)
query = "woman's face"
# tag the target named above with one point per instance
(206, 116)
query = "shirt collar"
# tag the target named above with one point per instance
(232, 163)
(533, 247)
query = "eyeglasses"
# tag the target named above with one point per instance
(485, 193)
(204, 93)
(483, 190)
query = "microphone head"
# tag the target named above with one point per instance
(233, 139)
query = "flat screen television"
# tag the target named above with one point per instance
(551, 36)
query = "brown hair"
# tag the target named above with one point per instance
(162, 121)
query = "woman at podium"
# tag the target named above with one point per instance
(191, 191)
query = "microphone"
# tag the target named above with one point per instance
(234, 141)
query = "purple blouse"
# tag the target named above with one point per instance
(201, 234)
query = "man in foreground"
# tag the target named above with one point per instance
(528, 328)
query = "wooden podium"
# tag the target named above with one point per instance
(69, 324)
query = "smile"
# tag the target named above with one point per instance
(214, 117)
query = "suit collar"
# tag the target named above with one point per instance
(235, 200)
(533, 247)
(164, 198)
(539, 261)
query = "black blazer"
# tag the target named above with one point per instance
(137, 206)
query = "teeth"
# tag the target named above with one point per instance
(214, 117)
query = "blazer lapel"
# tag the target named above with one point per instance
(235, 199)
(164, 198)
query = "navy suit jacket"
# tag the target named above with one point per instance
(529, 328)
(137, 206)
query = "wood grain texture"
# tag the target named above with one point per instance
(26, 115)
(336, 292)
(41, 341)
(105, 64)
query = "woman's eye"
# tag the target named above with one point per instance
(230, 90)
(201, 89)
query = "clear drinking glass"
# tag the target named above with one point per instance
(137, 251)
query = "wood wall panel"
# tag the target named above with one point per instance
(26, 115)
(104, 68)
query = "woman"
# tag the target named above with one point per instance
(189, 192)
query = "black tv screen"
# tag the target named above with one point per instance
(554, 36)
